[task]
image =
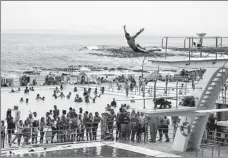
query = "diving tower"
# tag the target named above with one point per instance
(205, 95)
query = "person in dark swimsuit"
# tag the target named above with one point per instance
(136, 47)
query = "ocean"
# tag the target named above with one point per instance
(22, 51)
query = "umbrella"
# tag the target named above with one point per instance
(11, 76)
(84, 69)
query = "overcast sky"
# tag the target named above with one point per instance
(158, 18)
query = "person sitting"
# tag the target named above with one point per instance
(136, 47)
(75, 89)
(132, 101)
(12, 91)
(26, 90)
(21, 100)
(61, 95)
(68, 96)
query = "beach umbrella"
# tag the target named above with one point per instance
(11, 76)
(84, 69)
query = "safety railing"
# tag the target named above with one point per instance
(212, 140)
(218, 47)
(63, 135)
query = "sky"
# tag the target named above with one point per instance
(104, 17)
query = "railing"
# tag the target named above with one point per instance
(56, 135)
(213, 140)
(218, 46)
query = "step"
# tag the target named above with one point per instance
(210, 89)
(208, 93)
(217, 80)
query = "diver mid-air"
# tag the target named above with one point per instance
(136, 47)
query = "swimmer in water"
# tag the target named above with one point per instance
(61, 95)
(27, 100)
(136, 47)
(68, 96)
(26, 90)
(21, 100)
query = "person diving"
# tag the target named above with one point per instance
(136, 47)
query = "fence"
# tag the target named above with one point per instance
(212, 140)
(62, 135)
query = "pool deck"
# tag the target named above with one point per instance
(162, 149)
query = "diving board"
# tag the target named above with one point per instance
(192, 63)
(150, 98)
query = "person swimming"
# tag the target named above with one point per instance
(75, 89)
(21, 100)
(26, 90)
(31, 88)
(61, 87)
(136, 47)
(27, 100)
(54, 95)
(61, 95)
(68, 96)
(39, 97)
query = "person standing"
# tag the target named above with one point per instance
(153, 122)
(3, 134)
(10, 130)
(166, 128)
(160, 127)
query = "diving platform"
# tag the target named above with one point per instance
(180, 111)
(190, 63)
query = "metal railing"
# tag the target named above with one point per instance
(63, 135)
(218, 46)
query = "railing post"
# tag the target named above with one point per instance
(216, 41)
(166, 45)
(176, 94)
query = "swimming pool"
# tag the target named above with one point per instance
(8, 100)
(92, 149)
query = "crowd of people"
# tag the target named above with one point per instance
(69, 126)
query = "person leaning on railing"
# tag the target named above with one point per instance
(3, 134)
(96, 121)
(41, 128)
(10, 130)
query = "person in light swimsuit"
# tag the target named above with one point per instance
(136, 47)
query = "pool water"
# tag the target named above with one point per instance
(8, 100)
(101, 151)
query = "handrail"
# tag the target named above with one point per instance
(190, 38)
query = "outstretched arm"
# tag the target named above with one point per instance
(125, 31)
(138, 33)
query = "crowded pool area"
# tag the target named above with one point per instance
(9, 100)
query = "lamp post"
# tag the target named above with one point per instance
(143, 84)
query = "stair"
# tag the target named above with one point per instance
(212, 81)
